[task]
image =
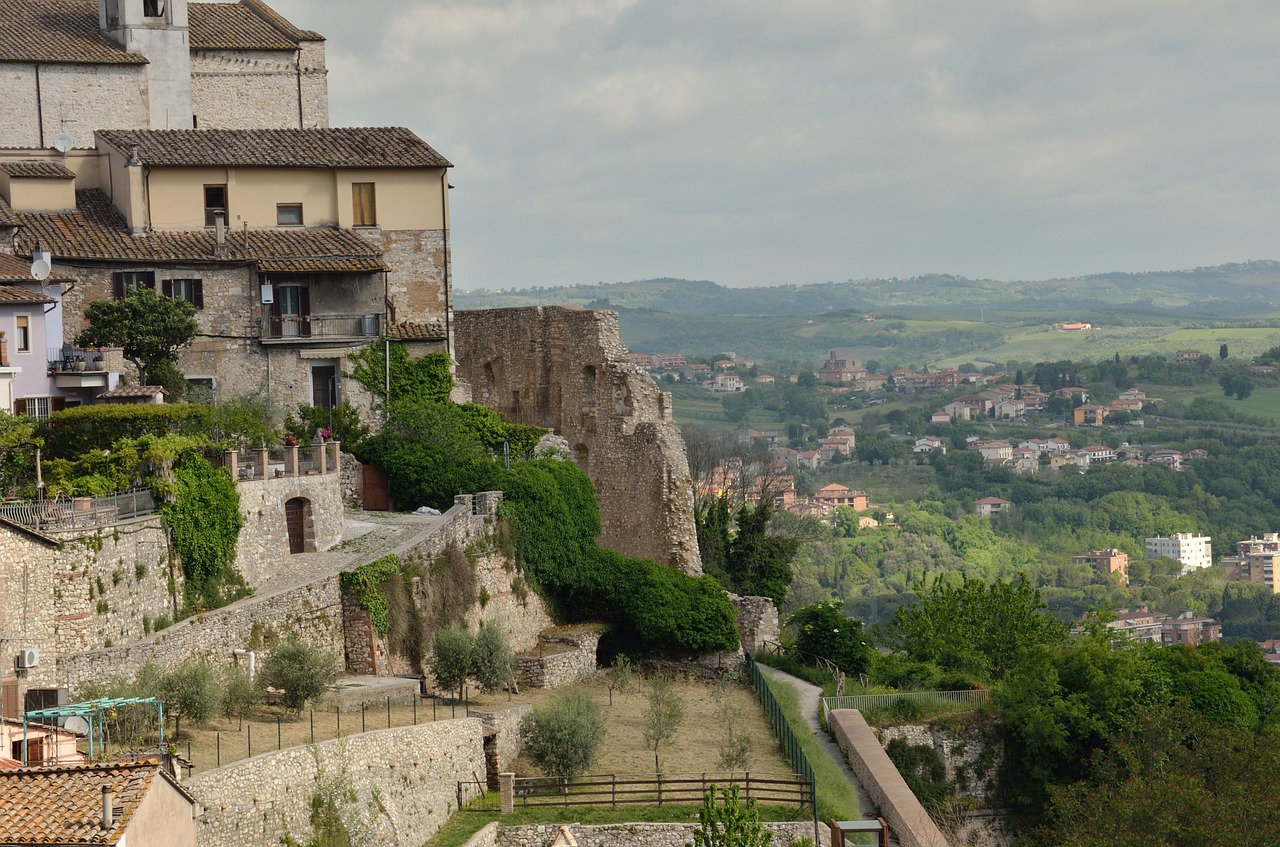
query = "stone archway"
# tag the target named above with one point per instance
(300, 525)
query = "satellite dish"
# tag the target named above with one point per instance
(76, 724)
(40, 269)
(62, 142)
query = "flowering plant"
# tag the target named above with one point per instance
(290, 441)
(325, 433)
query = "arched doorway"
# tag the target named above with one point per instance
(297, 521)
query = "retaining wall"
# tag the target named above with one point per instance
(566, 667)
(635, 834)
(405, 781)
(910, 824)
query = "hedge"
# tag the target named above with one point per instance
(72, 432)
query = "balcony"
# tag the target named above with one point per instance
(73, 367)
(308, 329)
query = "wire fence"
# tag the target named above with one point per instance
(778, 721)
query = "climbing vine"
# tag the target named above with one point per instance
(365, 584)
(427, 378)
(201, 510)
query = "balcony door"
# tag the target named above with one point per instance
(291, 312)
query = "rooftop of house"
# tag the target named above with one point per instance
(37, 170)
(7, 215)
(66, 32)
(343, 147)
(96, 230)
(134, 392)
(991, 501)
(15, 270)
(63, 805)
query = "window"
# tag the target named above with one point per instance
(124, 283)
(215, 200)
(23, 335)
(38, 407)
(191, 290)
(364, 204)
(289, 214)
(200, 389)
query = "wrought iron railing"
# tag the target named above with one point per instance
(284, 328)
(79, 512)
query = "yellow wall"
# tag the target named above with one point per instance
(406, 199)
(38, 195)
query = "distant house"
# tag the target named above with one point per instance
(113, 803)
(988, 506)
(1105, 562)
(1090, 414)
(928, 444)
(994, 452)
(1010, 409)
(1075, 326)
(728, 383)
(1072, 392)
(940, 417)
(1172, 458)
(1144, 626)
(1193, 551)
(837, 370)
(1099, 453)
(810, 459)
(1186, 357)
(838, 495)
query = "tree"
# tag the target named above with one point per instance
(148, 328)
(1222, 352)
(301, 671)
(451, 658)
(730, 823)
(823, 630)
(192, 691)
(1237, 384)
(563, 737)
(621, 677)
(491, 658)
(662, 717)
(241, 694)
(807, 379)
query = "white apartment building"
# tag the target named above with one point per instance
(1193, 551)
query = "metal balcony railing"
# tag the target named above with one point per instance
(302, 327)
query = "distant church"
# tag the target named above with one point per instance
(74, 66)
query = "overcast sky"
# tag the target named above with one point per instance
(761, 142)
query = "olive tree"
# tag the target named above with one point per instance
(563, 737)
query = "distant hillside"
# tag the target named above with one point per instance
(1224, 292)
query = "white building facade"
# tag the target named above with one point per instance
(1193, 551)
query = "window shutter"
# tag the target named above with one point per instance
(20, 406)
(59, 403)
(197, 293)
(150, 280)
(166, 288)
(117, 285)
(304, 306)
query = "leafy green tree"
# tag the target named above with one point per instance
(662, 717)
(148, 328)
(451, 658)
(968, 625)
(242, 695)
(491, 658)
(759, 561)
(732, 822)
(191, 691)
(823, 630)
(621, 676)
(1222, 352)
(1238, 385)
(563, 737)
(342, 421)
(302, 672)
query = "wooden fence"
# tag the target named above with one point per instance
(614, 790)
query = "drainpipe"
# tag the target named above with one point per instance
(253, 661)
(448, 300)
(39, 108)
(108, 810)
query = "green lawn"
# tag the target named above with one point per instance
(1264, 402)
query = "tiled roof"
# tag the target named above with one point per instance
(348, 147)
(58, 31)
(126, 392)
(242, 26)
(13, 269)
(16, 294)
(95, 230)
(326, 264)
(37, 170)
(63, 805)
(7, 217)
(414, 331)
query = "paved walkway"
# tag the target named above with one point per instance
(809, 705)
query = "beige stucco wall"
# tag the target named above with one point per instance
(164, 818)
(35, 195)
(406, 199)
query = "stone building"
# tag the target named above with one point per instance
(75, 66)
(296, 246)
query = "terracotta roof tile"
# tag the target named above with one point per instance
(235, 26)
(7, 217)
(347, 147)
(126, 392)
(14, 269)
(63, 805)
(16, 294)
(326, 264)
(415, 331)
(95, 230)
(58, 31)
(277, 20)
(41, 169)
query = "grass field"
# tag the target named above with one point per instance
(1264, 402)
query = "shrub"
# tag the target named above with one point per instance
(451, 658)
(191, 691)
(823, 630)
(342, 421)
(563, 737)
(242, 694)
(301, 672)
(491, 658)
(662, 717)
(732, 823)
(81, 429)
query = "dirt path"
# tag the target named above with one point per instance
(809, 703)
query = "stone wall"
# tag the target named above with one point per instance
(312, 611)
(567, 660)
(757, 621)
(972, 758)
(639, 834)
(234, 89)
(567, 369)
(405, 781)
(909, 822)
(262, 551)
(76, 99)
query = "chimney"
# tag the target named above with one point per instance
(108, 812)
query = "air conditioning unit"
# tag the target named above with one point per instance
(28, 659)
